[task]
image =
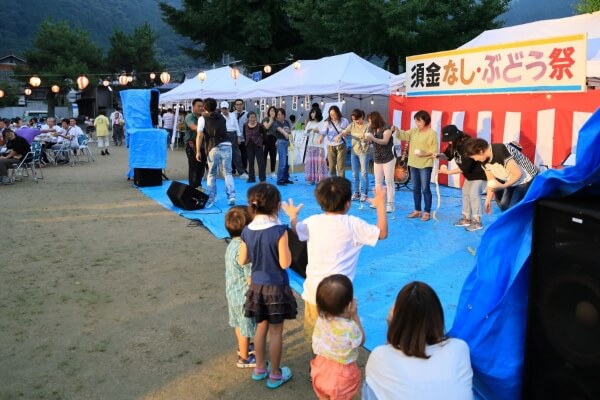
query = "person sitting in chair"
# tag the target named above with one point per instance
(19, 148)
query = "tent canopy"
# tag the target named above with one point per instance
(584, 23)
(344, 73)
(218, 84)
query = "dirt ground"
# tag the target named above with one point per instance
(104, 294)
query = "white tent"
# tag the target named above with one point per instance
(584, 23)
(344, 73)
(218, 84)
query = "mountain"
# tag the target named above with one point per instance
(523, 11)
(20, 19)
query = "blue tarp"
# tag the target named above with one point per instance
(147, 148)
(492, 310)
(136, 108)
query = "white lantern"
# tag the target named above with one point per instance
(27, 92)
(55, 89)
(152, 75)
(267, 69)
(297, 65)
(82, 82)
(1, 93)
(165, 77)
(35, 81)
(235, 73)
(123, 80)
(202, 75)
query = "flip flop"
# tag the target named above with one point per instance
(259, 376)
(275, 381)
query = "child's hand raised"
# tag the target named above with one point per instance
(290, 210)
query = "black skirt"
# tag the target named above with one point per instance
(270, 303)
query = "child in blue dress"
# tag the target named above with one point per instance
(269, 299)
(237, 277)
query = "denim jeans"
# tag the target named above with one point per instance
(283, 168)
(236, 155)
(360, 176)
(512, 195)
(421, 178)
(471, 198)
(219, 156)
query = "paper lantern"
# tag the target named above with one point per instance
(123, 80)
(35, 81)
(235, 73)
(27, 92)
(152, 75)
(1, 93)
(165, 77)
(202, 75)
(82, 82)
(297, 65)
(267, 69)
(105, 82)
(55, 89)
(130, 79)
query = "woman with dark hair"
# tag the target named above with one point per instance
(474, 183)
(423, 148)
(283, 134)
(253, 132)
(509, 173)
(271, 140)
(315, 163)
(360, 154)
(380, 134)
(419, 361)
(332, 133)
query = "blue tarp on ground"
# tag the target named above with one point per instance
(434, 252)
(491, 315)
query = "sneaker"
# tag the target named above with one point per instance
(464, 221)
(289, 181)
(363, 197)
(231, 201)
(209, 204)
(389, 208)
(474, 226)
(244, 176)
(356, 196)
(246, 363)
(273, 175)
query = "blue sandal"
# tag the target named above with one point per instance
(258, 375)
(275, 381)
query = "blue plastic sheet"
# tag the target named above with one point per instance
(136, 108)
(492, 310)
(147, 148)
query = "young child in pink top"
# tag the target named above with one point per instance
(336, 338)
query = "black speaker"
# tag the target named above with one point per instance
(562, 358)
(154, 97)
(186, 197)
(145, 177)
(299, 253)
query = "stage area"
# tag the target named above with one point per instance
(435, 252)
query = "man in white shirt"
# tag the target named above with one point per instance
(235, 136)
(242, 118)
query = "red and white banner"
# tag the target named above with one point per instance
(546, 125)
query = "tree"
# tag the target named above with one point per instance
(59, 55)
(393, 29)
(587, 6)
(254, 31)
(134, 52)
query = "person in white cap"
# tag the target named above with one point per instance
(235, 136)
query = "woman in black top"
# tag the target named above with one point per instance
(253, 132)
(475, 179)
(380, 134)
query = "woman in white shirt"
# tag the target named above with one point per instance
(419, 362)
(331, 131)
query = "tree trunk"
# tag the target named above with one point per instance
(51, 97)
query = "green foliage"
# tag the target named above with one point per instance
(253, 31)
(60, 52)
(588, 6)
(392, 29)
(134, 52)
